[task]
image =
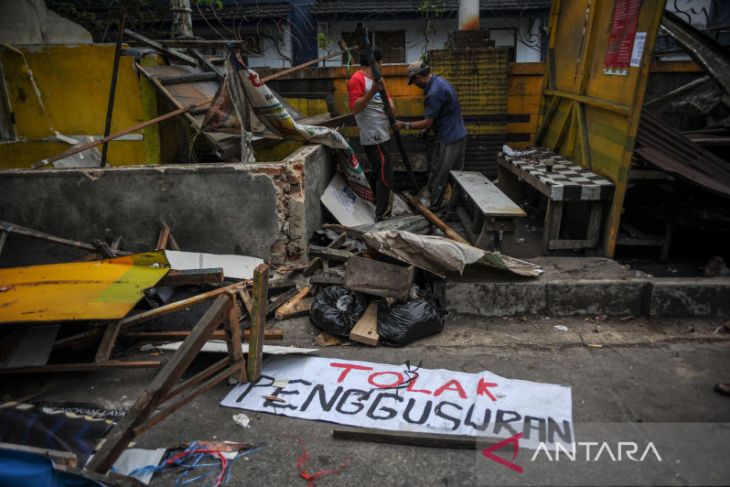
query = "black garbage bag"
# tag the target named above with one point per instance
(336, 310)
(407, 322)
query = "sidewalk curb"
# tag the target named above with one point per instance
(657, 297)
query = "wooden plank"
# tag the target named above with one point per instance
(8, 227)
(314, 265)
(366, 329)
(338, 242)
(60, 458)
(83, 367)
(448, 231)
(177, 305)
(205, 63)
(269, 334)
(197, 378)
(486, 196)
(551, 229)
(258, 321)
(405, 438)
(164, 237)
(171, 53)
(247, 300)
(329, 254)
(326, 281)
(378, 278)
(187, 78)
(300, 309)
(233, 336)
(163, 382)
(192, 277)
(168, 410)
(104, 352)
(285, 310)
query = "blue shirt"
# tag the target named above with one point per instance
(442, 107)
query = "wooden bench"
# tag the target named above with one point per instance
(562, 182)
(482, 208)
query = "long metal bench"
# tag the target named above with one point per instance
(562, 182)
(482, 208)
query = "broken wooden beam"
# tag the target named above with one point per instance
(269, 334)
(258, 321)
(11, 228)
(171, 53)
(456, 442)
(448, 231)
(167, 378)
(192, 277)
(330, 254)
(287, 310)
(187, 78)
(183, 303)
(326, 281)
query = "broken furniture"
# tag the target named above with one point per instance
(562, 183)
(482, 208)
(166, 394)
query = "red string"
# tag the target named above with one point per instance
(311, 477)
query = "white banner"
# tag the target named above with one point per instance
(405, 398)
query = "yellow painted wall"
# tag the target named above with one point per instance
(74, 84)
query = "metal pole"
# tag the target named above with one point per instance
(112, 89)
(386, 104)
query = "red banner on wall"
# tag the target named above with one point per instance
(621, 38)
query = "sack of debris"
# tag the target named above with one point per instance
(336, 310)
(404, 323)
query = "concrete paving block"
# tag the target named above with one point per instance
(496, 298)
(615, 297)
(708, 297)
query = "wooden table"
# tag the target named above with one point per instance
(562, 182)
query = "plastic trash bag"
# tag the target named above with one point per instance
(407, 322)
(336, 310)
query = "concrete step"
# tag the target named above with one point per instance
(566, 290)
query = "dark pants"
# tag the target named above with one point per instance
(446, 157)
(380, 177)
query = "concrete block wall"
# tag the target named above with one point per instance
(266, 210)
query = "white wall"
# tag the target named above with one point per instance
(696, 10)
(270, 57)
(528, 31)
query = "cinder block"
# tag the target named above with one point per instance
(595, 297)
(496, 298)
(709, 297)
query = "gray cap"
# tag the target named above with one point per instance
(414, 69)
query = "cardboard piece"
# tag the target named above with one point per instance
(348, 208)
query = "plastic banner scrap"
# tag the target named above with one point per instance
(440, 255)
(99, 290)
(405, 398)
(200, 460)
(278, 120)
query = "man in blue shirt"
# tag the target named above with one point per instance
(443, 114)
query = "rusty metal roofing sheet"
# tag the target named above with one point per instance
(664, 147)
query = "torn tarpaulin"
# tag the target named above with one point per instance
(277, 119)
(441, 255)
